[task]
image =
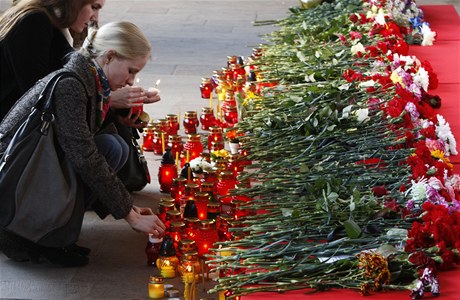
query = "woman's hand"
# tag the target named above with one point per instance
(143, 220)
(133, 96)
(152, 95)
(128, 97)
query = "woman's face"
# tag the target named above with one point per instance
(88, 13)
(121, 72)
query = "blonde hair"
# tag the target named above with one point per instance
(61, 13)
(125, 38)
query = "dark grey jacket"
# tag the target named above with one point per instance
(75, 127)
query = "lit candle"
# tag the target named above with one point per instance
(156, 288)
(167, 270)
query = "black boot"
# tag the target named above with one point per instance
(84, 251)
(63, 257)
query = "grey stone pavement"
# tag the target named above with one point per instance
(190, 39)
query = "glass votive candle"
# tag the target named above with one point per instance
(193, 146)
(201, 202)
(206, 87)
(173, 123)
(178, 189)
(215, 135)
(158, 140)
(231, 115)
(190, 122)
(156, 287)
(207, 118)
(147, 136)
(176, 145)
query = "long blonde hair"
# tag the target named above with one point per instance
(125, 38)
(62, 13)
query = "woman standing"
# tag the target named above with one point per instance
(110, 59)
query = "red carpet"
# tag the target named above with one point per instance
(444, 57)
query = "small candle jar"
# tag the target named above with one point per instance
(216, 146)
(224, 185)
(147, 136)
(164, 126)
(178, 189)
(173, 124)
(191, 258)
(206, 237)
(152, 250)
(156, 287)
(163, 208)
(176, 232)
(231, 115)
(208, 187)
(158, 139)
(213, 210)
(193, 146)
(186, 246)
(167, 262)
(201, 202)
(207, 118)
(230, 100)
(234, 165)
(190, 122)
(190, 209)
(176, 145)
(222, 227)
(206, 88)
(191, 227)
(215, 135)
(172, 216)
(167, 172)
(237, 211)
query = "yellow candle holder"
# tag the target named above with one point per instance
(156, 287)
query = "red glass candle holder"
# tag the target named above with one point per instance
(215, 135)
(201, 202)
(178, 190)
(206, 237)
(166, 174)
(231, 115)
(147, 136)
(176, 145)
(207, 118)
(191, 227)
(206, 88)
(193, 146)
(158, 140)
(173, 124)
(230, 100)
(152, 249)
(234, 165)
(224, 185)
(172, 215)
(190, 122)
(223, 226)
(213, 210)
(163, 208)
(231, 59)
(176, 232)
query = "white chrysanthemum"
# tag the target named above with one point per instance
(380, 17)
(421, 78)
(362, 115)
(418, 190)
(428, 35)
(199, 164)
(357, 48)
(443, 132)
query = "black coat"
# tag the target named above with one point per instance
(31, 50)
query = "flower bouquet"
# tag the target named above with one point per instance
(350, 163)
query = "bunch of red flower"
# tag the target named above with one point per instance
(435, 241)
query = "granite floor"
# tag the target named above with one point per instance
(190, 39)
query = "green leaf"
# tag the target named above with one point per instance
(353, 230)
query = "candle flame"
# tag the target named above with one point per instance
(157, 83)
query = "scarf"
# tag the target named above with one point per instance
(103, 92)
